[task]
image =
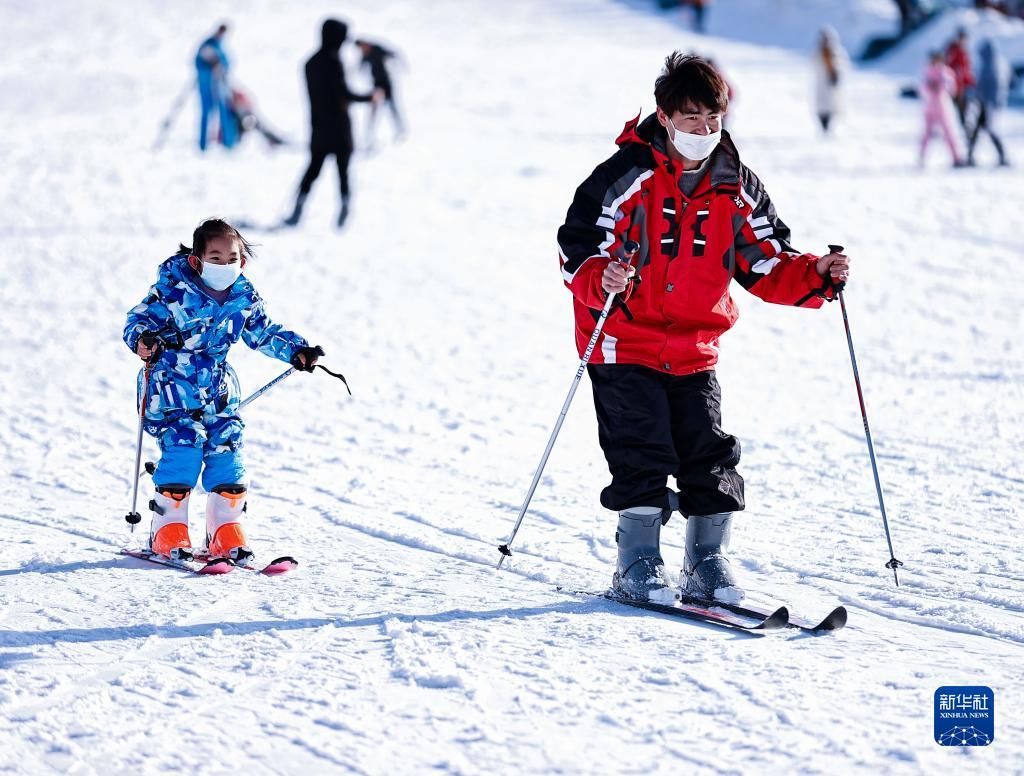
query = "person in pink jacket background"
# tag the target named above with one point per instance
(938, 85)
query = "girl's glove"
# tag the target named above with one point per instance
(305, 358)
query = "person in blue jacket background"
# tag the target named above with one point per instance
(214, 93)
(991, 92)
(199, 307)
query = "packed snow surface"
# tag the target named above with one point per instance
(396, 647)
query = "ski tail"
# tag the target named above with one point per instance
(195, 566)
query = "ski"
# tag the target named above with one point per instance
(195, 566)
(275, 568)
(712, 614)
(833, 621)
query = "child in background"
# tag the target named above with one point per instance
(199, 307)
(938, 85)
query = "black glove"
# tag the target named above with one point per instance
(152, 340)
(303, 358)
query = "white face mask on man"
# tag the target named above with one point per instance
(220, 276)
(695, 147)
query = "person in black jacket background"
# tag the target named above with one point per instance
(329, 98)
(375, 58)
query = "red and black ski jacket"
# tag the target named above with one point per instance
(690, 249)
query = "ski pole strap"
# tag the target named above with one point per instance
(621, 305)
(335, 374)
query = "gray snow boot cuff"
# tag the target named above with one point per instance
(640, 569)
(706, 573)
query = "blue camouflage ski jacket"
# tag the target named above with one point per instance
(196, 382)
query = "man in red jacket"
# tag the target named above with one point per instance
(959, 60)
(677, 187)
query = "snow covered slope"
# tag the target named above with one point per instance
(396, 647)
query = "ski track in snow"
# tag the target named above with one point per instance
(396, 647)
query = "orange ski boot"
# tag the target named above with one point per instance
(168, 535)
(224, 535)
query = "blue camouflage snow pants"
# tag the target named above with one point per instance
(207, 440)
(211, 444)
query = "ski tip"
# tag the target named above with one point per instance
(777, 619)
(835, 620)
(280, 566)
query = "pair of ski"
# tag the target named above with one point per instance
(204, 564)
(747, 617)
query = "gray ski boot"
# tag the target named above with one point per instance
(640, 570)
(706, 573)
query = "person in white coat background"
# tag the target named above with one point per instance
(830, 66)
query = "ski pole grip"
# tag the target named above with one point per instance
(832, 248)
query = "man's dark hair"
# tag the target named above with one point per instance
(215, 227)
(690, 78)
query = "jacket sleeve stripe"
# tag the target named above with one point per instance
(571, 251)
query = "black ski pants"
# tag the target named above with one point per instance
(653, 425)
(318, 155)
(984, 123)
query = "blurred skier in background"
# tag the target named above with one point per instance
(910, 15)
(700, 8)
(329, 98)
(938, 85)
(214, 93)
(375, 58)
(990, 96)
(959, 61)
(830, 65)
(243, 112)
(702, 219)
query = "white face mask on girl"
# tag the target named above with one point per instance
(220, 276)
(695, 147)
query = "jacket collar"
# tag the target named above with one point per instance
(725, 160)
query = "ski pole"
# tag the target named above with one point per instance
(133, 518)
(630, 247)
(266, 388)
(167, 337)
(893, 563)
(254, 396)
(172, 115)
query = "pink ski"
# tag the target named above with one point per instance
(275, 568)
(205, 565)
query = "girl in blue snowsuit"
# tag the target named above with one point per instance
(199, 307)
